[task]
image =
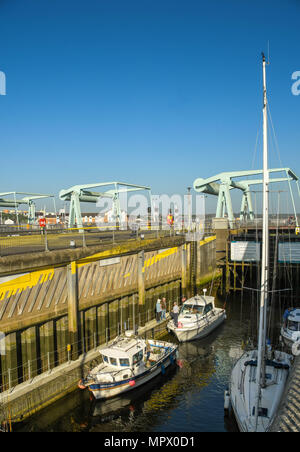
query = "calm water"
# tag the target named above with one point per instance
(188, 398)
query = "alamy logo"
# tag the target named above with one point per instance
(2, 84)
(296, 85)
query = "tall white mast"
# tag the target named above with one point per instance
(260, 377)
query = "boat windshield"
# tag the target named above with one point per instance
(124, 362)
(113, 361)
(187, 309)
(137, 357)
(294, 326)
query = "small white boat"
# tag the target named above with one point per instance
(198, 317)
(290, 331)
(128, 363)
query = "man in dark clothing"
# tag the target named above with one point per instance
(174, 314)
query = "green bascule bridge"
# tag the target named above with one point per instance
(82, 193)
(222, 184)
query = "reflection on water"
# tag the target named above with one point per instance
(188, 398)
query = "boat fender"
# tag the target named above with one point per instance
(226, 400)
(81, 385)
(163, 370)
(296, 348)
(179, 325)
(131, 382)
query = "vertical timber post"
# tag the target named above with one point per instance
(10, 360)
(221, 228)
(72, 309)
(31, 346)
(141, 287)
(183, 270)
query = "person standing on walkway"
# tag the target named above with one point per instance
(158, 310)
(175, 313)
(163, 309)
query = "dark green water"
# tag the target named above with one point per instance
(188, 398)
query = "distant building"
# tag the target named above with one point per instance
(51, 219)
(109, 217)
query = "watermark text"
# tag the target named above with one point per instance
(296, 85)
(2, 84)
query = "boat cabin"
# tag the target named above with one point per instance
(126, 352)
(293, 321)
(200, 304)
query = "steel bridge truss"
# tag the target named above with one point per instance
(28, 199)
(221, 184)
(82, 193)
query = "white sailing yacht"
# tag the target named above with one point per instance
(258, 378)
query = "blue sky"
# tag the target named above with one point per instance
(149, 92)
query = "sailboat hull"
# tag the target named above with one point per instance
(243, 390)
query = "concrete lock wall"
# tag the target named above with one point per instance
(53, 315)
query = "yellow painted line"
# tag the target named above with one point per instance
(159, 256)
(207, 240)
(73, 267)
(25, 281)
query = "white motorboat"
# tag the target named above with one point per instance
(290, 330)
(259, 377)
(197, 318)
(128, 363)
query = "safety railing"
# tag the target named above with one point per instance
(45, 239)
(20, 239)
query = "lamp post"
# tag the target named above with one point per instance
(189, 208)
